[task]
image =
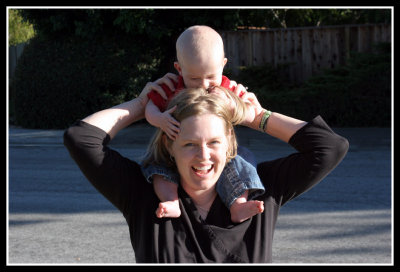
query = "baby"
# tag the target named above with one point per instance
(200, 63)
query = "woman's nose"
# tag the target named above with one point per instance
(204, 152)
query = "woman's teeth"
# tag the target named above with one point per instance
(202, 169)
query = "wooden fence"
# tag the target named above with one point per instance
(307, 49)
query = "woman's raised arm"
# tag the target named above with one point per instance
(118, 117)
(278, 125)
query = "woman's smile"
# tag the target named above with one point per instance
(202, 171)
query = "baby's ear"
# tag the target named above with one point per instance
(178, 68)
(225, 61)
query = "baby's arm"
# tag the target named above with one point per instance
(162, 120)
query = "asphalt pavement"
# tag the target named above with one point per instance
(56, 217)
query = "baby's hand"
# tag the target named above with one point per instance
(169, 125)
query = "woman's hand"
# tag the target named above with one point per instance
(168, 80)
(239, 90)
(254, 110)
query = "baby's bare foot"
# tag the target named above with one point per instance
(168, 209)
(243, 211)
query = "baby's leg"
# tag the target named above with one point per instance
(167, 192)
(242, 209)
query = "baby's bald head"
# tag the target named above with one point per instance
(199, 43)
(201, 58)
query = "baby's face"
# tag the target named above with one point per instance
(203, 74)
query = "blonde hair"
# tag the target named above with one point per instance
(192, 102)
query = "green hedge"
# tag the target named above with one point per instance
(60, 80)
(357, 94)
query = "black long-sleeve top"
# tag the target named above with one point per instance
(189, 238)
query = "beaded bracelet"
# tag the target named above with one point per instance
(264, 120)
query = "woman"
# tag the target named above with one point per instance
(204, 232)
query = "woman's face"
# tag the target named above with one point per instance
(200, 151)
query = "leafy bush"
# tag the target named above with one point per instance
(60, 80)
(20, 30)
(356, 94)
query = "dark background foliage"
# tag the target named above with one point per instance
(356, 94)
(85, 60)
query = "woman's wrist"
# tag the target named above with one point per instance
(264, 120)
(255, 121)
(283, 127)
